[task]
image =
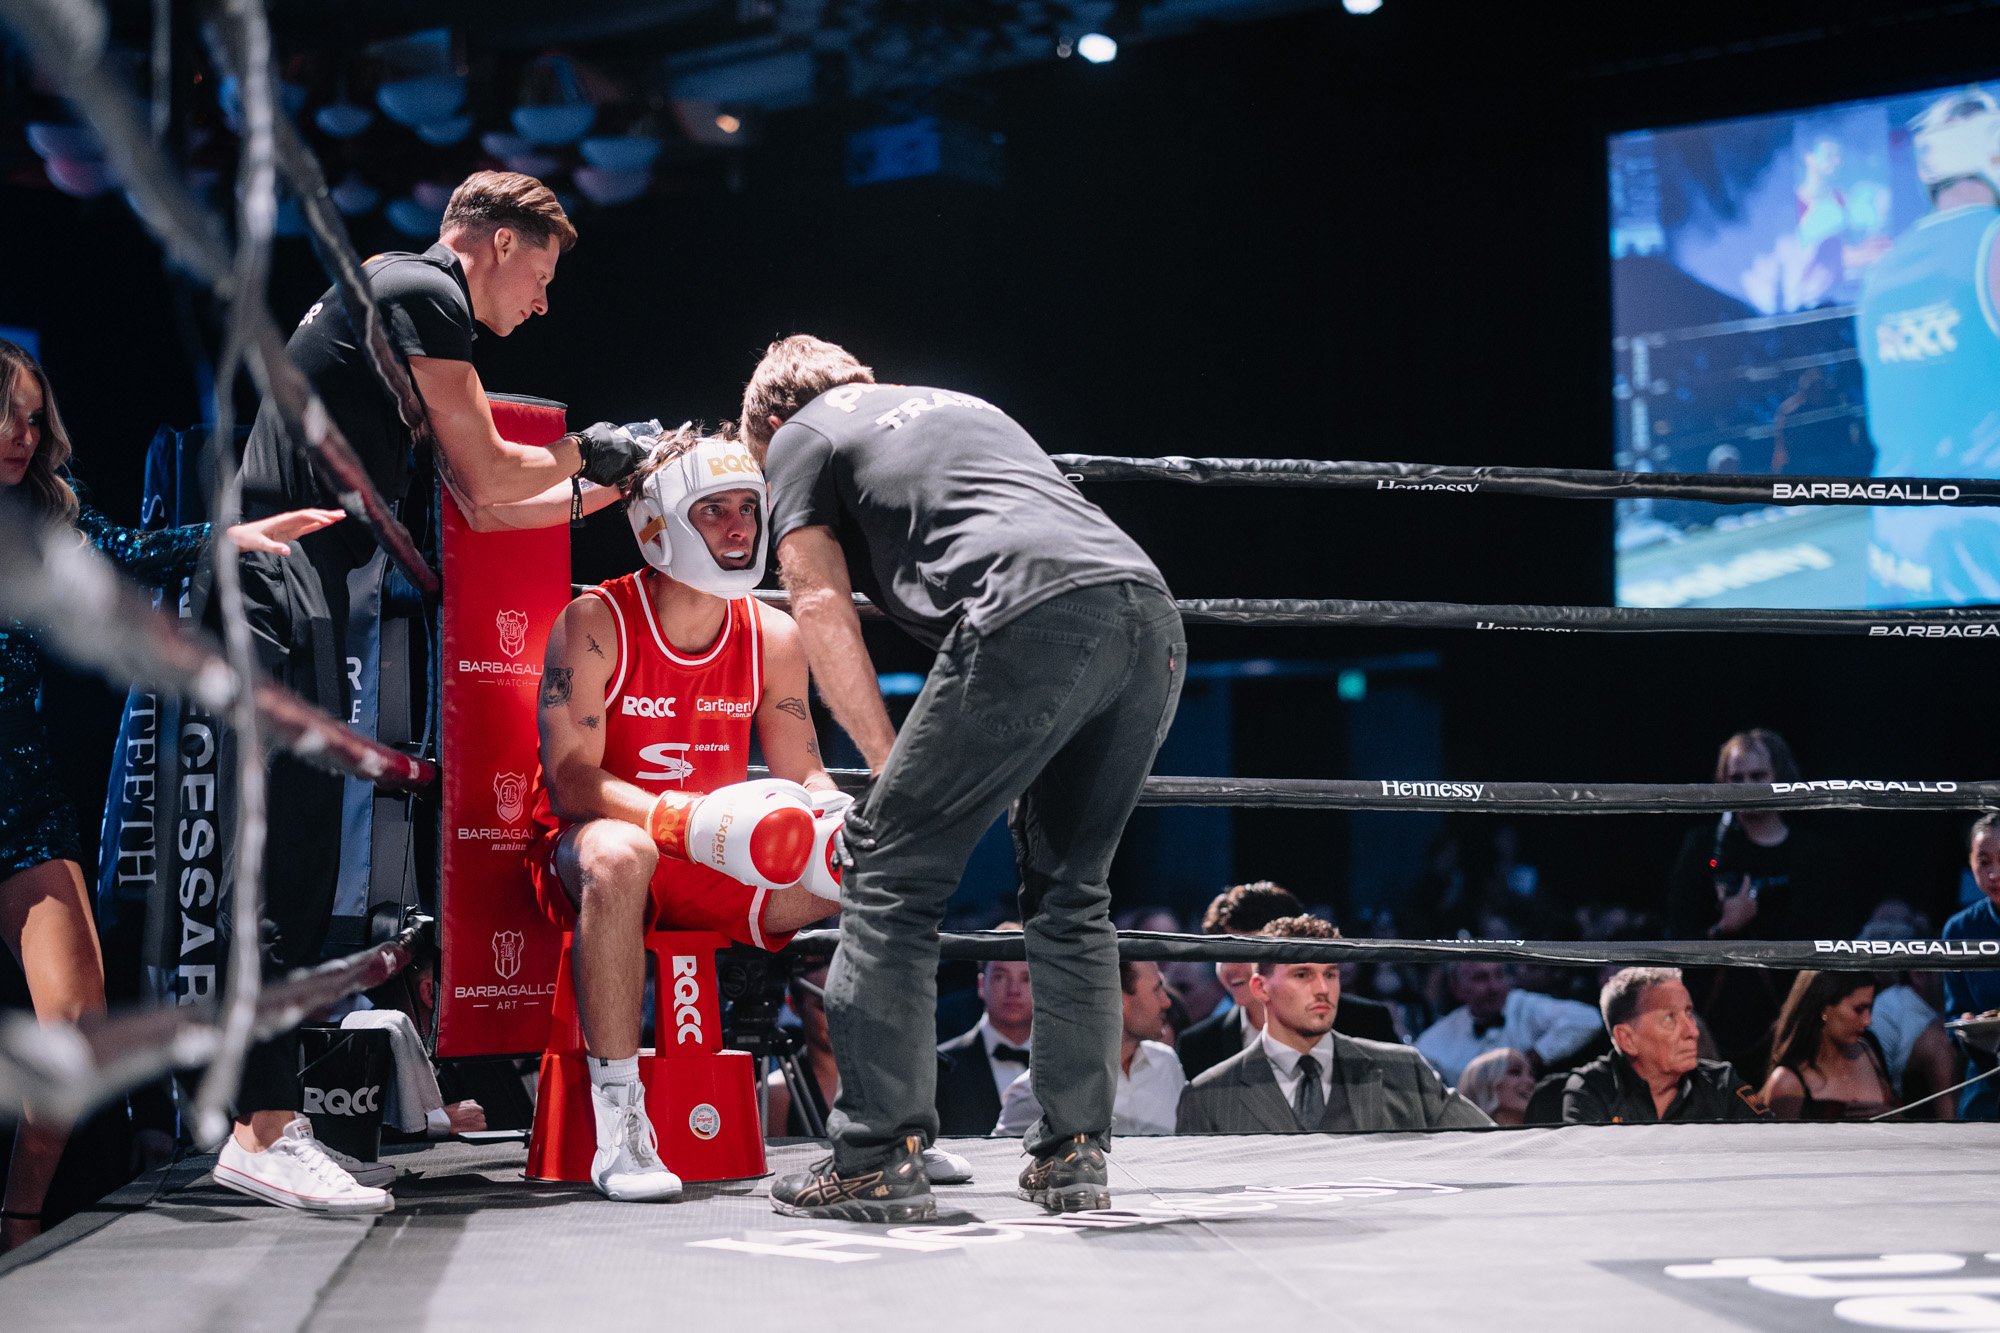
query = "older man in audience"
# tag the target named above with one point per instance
(1300, 1076)
(1149, 1077)
(1654, 1072)
(1492, 1015)
(1245, 910)
(975, 1067)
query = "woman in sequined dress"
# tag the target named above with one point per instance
(45, 917)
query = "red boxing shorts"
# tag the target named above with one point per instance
(683, 896)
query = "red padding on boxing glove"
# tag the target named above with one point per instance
(781, 845)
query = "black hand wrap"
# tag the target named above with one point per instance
(610, 453)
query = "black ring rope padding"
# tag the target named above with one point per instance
(1539, 798)
(1557, 483)
(1285, 612)
(1553, 798)
(1920, 623)
(87, 611)
(69, 40)
(1010, 946)
(64, 1069)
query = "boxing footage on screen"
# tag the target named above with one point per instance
(1810, 293)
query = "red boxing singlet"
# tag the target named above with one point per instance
(672, 722)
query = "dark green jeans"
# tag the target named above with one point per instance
(1055, 717)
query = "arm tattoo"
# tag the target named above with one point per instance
(590, 723)
(555, 689)
(812, 748)
(795, 706)
(593, 646)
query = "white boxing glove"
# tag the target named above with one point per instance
(759, 833)
(829, 859)
(835, 803)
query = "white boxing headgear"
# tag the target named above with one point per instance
(659, 507)
(1958, 137)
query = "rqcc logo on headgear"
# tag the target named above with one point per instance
(507, 947)
(735, 461)
(513, 627)
(510, 796)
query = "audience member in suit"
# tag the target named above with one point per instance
(1300, 1076)
(975, 1067)
(1245, 910)
(1149, 1077)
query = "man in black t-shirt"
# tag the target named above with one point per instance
(1755, 875)
(501, 237)
(1060, 656)
(1653, 1072)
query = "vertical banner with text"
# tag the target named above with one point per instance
(502, 593)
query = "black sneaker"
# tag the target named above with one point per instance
(898, 1190)
(1069, 1177)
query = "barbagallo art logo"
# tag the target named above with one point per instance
(510, 796)
(507, 945)
(513, 626)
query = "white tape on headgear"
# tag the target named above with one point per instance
(1957, 138)
(658, 511)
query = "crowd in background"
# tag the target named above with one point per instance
(1527, 1043)
(1236, 1047)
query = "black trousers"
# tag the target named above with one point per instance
(1053, 718)
(297, 610)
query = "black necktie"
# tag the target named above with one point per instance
(1011, 1054)
(1309, 1101)
(1482, 1026)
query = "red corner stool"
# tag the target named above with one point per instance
(701, 1099)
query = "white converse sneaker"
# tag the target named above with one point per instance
(946, 1168)
(295, 1172)
(628, 1166)
(377, 1174)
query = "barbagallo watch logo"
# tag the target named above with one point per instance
(513, 626)
(510, 796)
(507, 945)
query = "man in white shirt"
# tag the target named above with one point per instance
(1492, 1014)
(1149, 1074)
(976, 1067)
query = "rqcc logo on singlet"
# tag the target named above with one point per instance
(1920, 334)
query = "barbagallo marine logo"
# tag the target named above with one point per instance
(513, 626)
(510, 796)
(507, 945)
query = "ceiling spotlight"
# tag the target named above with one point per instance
(727, 123)
(1097, 48)
(1361, 6)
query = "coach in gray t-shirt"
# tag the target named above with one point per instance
(1060, 661)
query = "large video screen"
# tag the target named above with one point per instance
(1811, 293)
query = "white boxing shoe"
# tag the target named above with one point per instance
(295, 1172)
(946, 1168)
(628, 1166)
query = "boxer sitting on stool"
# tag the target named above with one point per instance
(649, 688)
